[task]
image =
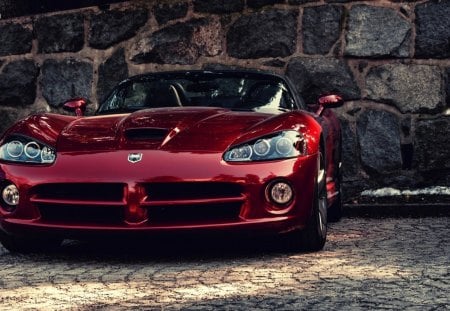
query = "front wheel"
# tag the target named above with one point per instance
(335, 211)
(313, 237)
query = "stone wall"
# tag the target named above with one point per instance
(389, 59)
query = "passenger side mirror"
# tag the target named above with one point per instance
(76, 104)
(329, 101)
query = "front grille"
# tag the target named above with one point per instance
(194, 214)
(192, 190)
(102, 192)
(193, 202)
(87, 203)
(177, 203)
(104, 215)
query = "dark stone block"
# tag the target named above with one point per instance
(63, 80)
(315, 76)
(8, 116)
(377, 32)
(266, 34)
(275, 63)
(218, 6)
(351, 189)
(181, 43)
(296, 2)
(256, 4)
(321, 28)
(447, 87)
(15, 39)
(18, 83)
(340, 1)
(60, 33)
(216, 66)
(431, 144)
(421, 93)
(379, 141)
(350, 162)
(165, 12)
(112, 27)
(433, 29)
(110, 73)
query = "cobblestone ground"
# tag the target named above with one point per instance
(392, 263)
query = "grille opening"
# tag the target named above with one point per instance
(146, 134)
(192, 190)
(82, 214)
(224, 212)
(81, 191)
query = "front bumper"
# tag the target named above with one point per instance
(103, 193)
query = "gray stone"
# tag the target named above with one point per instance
(218, 6)
(218, 66)
(377, 32)
(8, 116)
(63, 80)
(352, 188)
(112, 27)
(296, 2)
(275, 63)
(315, 76)
(165, 12)
(339, 1)
(181, 43)
(433, 29)
(379, 141)
(410, 88)
(447, 87)
(256, 4)
(18, 83)
(60, 33)
(110, 73)
(431, 143)
(350, 163)
(321, 28)
(267, 34)
(15, 39)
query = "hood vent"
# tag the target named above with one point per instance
(146, 133)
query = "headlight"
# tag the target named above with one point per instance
(26, 150)
(281, 145)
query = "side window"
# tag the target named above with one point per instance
(287, 101)
(114, 101)
(135, 96)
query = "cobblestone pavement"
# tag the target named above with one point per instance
(392, 263)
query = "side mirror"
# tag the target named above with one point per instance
(329, 101)
(76, 104)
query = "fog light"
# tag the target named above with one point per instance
(280, 192)
(10, 195)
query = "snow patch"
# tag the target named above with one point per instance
(390, 192)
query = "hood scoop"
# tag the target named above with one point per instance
(134, 134)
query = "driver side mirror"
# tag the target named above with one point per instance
(329, 101)
(76, 104)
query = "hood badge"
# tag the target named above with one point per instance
(134, 157)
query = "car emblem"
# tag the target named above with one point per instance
(134, 157)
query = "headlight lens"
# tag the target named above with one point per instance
(281, 145)
(26, 150)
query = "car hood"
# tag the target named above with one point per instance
(172, 129)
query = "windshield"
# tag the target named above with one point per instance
(259, 93)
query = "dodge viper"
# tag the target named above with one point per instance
(175, 152)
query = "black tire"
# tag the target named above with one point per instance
(335, 210)
(26, 245)
(313, 237)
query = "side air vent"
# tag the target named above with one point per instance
(146, 134)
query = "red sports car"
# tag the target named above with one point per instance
(175, 152)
